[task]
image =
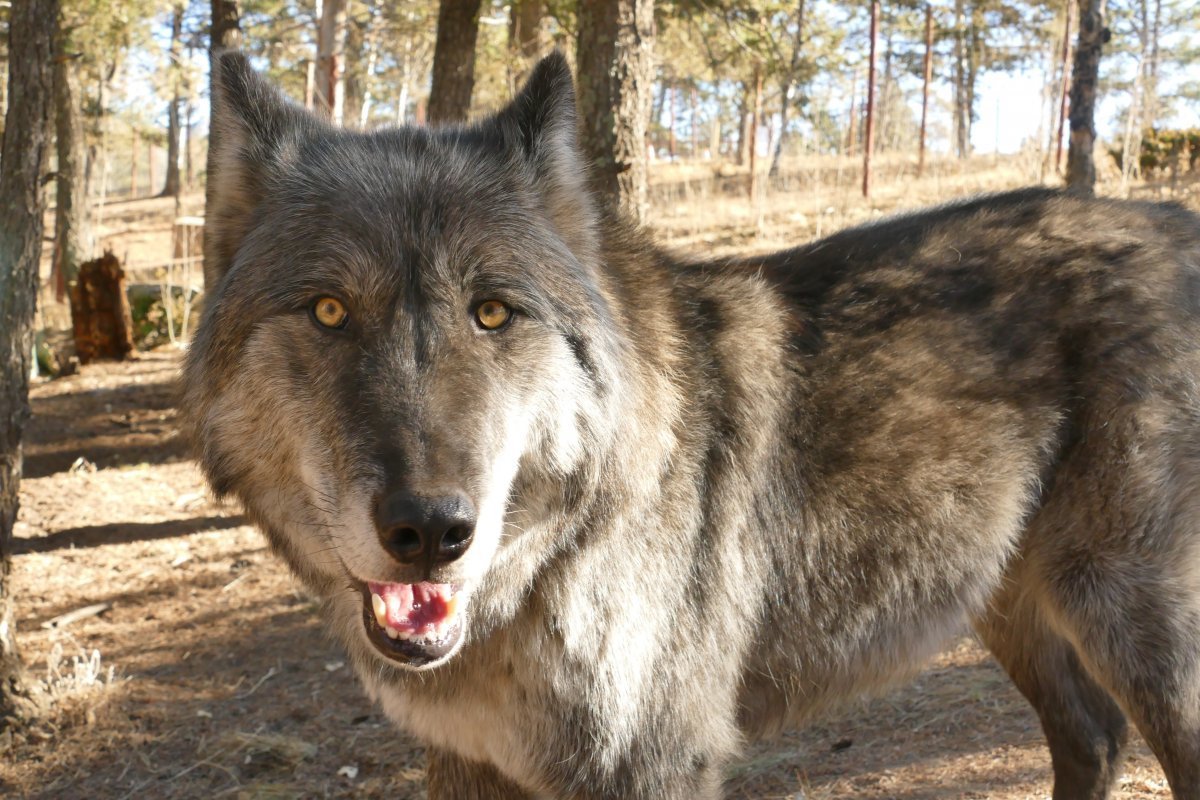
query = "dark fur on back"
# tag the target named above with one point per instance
(715, 498)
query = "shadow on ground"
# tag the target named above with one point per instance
(124, 532)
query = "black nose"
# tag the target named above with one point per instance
(419, 529)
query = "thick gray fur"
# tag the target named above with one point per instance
(714, 498)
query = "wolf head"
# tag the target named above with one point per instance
(405, 331)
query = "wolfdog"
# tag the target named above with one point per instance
(587, 516)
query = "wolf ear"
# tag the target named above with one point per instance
(254, 133)
(539, 127)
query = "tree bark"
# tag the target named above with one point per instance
(869, 134)
(100, 316)
(226, 31)
(1064, 89)
(371, 45)
(928, 75)
(616, 82)
(331, 40)
(1152, 70)
(745, 100)
(173, 185)
(1081, 171)
(453, 62)
(974, 66)
(755, 116)
(961, 114)
(787, 88)
(72, 234)
(525, 40)
(225, 34)
(31, 33)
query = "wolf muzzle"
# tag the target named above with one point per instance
(425, 530)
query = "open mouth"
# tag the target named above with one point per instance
(415, 624)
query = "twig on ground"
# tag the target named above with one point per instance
(63, 620)
(270, 674)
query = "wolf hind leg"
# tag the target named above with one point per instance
(1136, 625)
(1084, 728)
(451, 777)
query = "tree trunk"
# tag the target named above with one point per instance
(743, 121)
(883, 107)
(72, 234)
(453, 62)
(616, 81)
(31, 31)
(1151, 87)
(226, 34)
(525, 40)
(928, 75)
(852, 123)
(974, 66)
(189, 170)
(331, 40)
(226, 25)
(134, 146)
(1081, 171)
(1064, 91)
(671, 100)
(173, 185)
(755, 116)
(100, 316)
(372, 59)
(787, 88)
(693, 119)
(869, 134)
(961, 136)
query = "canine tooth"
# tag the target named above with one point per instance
(380, 609)
(451, 607)
(392, 632)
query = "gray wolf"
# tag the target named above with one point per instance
(587, 516)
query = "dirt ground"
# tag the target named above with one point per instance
(194, 667)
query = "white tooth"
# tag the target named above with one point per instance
(405, 635)
(391, 632)
(451, 607)
(380, 609)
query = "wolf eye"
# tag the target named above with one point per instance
(330, 312)
(492, 314)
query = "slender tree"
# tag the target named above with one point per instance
(616, 83)
(869, 134)
(1064, 89)
(173, 184)
(787, 86)
(331, 39)
(927, 73)
(453, 61)
(72, 231)
(1081, 170)
(226, 34)
(31, 33)
(525, 39)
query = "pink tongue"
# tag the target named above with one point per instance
(412, 606)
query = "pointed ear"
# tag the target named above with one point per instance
(254, 132)
(539, 127)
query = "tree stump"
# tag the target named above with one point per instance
(100, 314)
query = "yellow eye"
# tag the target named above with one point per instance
(492, 314)
(330, 312)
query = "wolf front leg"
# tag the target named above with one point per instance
(452, 777)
